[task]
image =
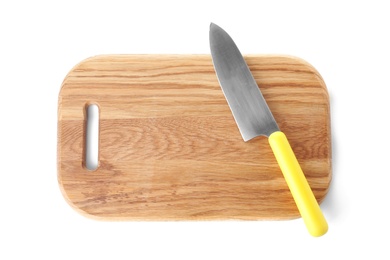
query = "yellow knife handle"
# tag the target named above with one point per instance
(304, 198)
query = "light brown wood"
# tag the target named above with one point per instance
(169, 147)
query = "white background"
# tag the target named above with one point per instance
(40, 41)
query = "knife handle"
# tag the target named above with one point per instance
(304, 198)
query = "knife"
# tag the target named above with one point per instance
(254, 118)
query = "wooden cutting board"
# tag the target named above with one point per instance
(169, 148)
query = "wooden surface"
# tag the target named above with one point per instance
(169, 148)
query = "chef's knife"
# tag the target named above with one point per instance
(254, 118)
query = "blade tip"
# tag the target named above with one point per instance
(213, 26)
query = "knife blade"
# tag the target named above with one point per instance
(254, 118)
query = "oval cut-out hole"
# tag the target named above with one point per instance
(92, 137)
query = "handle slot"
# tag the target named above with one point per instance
(91, 149)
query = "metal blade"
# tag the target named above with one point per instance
(245, 100)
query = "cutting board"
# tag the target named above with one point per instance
(169, 148)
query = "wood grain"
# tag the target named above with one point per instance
(170, 148)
